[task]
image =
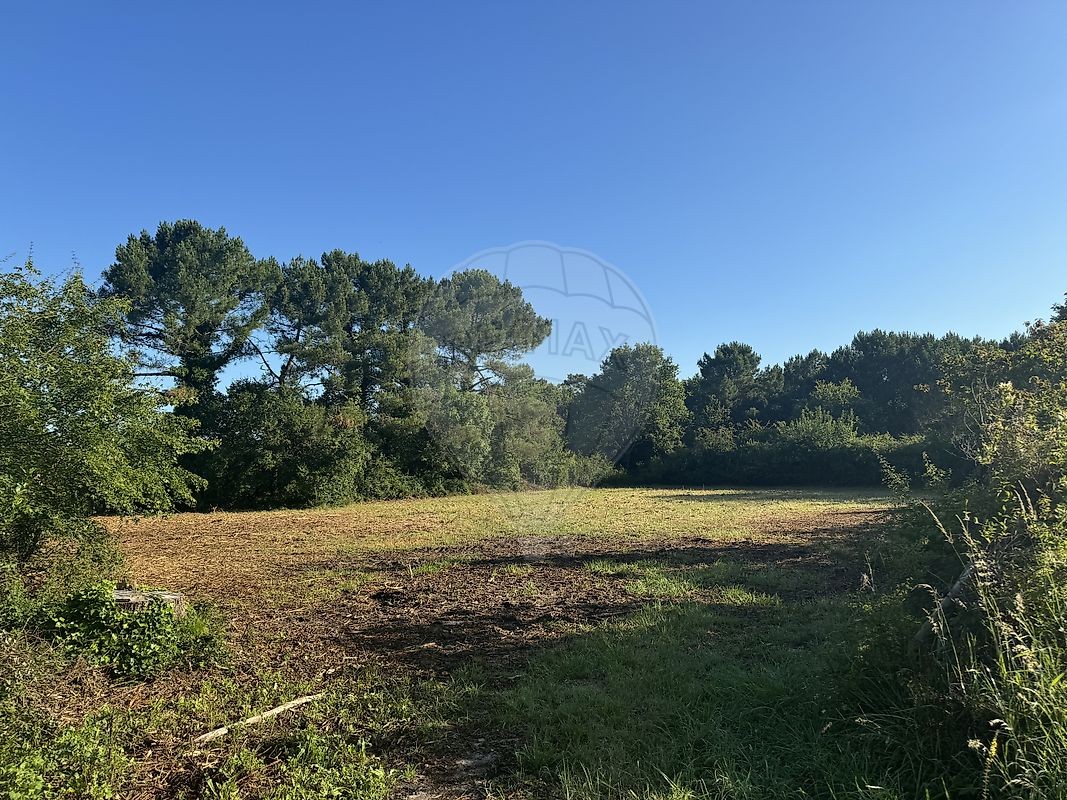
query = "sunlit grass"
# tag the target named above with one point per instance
(258, 551)
(717, 685)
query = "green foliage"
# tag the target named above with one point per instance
(369, 328)
(896, 375)
(480, 322)
(730, 387)
(40, 761)
(837, 399)
(1007, 670)
(817, 448)
(632, 411)
(76, 435)
(130, 644)
(459, 425)
(309, 309)
(278, 449)
(32, 591)
(432, 370)
(384, 480)
(1008, 409)
(195, 296)
(985, 687)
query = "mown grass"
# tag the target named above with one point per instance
(723, 683)
(726, 684)
(257, 553)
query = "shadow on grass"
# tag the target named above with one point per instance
(689, 699)
(675, 669)
(497, 602)
(864, 496)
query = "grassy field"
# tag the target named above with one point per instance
(583, 644)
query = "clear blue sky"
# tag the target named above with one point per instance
(781, 173)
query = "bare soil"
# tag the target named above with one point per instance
(432, 608)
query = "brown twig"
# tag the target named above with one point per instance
(218, 733)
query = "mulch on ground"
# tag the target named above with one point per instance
(431, 609)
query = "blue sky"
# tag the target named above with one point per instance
(780, 173)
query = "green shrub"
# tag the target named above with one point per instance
(384, 480)
(817, 448)
(132, 643)
(32, 591)
(78, 433)
(279, 450)
(982, 704)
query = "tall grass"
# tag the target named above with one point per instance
(1009, 670)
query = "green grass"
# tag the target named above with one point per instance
(722, 700)
(723, 683)
(431, 567)
(513, 570)
(731, 582)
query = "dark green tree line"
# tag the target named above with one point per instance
(376, 381)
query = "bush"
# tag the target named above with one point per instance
(817, 448)
(384, 480)
(33, 590)
(77, 435)
(991, 656)
(130, 643)
(279, 450)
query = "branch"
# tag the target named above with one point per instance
(944, 605)
(218, 733)
(266, 364)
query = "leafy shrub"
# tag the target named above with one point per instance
(134, 644)
(579, 470)
(33, 590)
(986, 689)
(17, 608)
(278, 449)
(384, 480)
(77, 434)
(131, 643)
(817, 448)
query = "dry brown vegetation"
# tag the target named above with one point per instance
(367, 573)
(325, 599)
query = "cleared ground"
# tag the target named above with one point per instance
(256, 561)
(591, 643)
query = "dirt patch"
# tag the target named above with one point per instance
(432, 608)
(396, 595)
(435, 608)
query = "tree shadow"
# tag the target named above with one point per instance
(631, 661)
(860, 495)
